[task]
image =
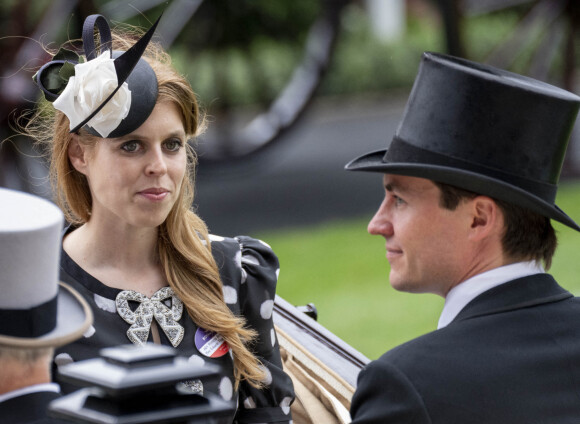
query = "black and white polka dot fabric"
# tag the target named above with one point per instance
(249, 271)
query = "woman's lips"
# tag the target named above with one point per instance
(154, 194)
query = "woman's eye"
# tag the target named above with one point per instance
(398, 200)
(130, 146)
(173, 145)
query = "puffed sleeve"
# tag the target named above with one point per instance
(254, 293)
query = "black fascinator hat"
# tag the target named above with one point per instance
(110, 94)
(485, 130)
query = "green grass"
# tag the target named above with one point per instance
(566, 264)
(343, 271)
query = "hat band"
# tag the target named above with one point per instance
(401, 151)
(29, 323)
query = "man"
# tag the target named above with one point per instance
(470, 180)
(36, 314)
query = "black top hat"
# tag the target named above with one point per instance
(482, 129)
(53, 78)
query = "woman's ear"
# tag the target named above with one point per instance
(77, 154)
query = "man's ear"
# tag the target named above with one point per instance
(77, 154)
(486, 218)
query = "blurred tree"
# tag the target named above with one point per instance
(223, 24)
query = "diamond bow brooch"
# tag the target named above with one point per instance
(148, 308)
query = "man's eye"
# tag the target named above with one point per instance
(398, 200)
(130, 146)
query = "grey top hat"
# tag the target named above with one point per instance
(482, 129)
(34, 310)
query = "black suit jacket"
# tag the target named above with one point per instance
(511, 356)
(30, 409)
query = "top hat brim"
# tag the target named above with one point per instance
(464, 179)
(74, 317)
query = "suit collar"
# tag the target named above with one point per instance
(33, 388)
(516, 294)
(463, 293)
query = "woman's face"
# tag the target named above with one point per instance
(136, 179)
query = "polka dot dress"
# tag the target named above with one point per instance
(249, 271)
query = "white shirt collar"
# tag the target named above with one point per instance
(44, 387)
(463, 293)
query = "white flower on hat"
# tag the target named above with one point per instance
(92, 83)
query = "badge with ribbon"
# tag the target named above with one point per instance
(210, 344)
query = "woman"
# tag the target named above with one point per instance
(122, 171)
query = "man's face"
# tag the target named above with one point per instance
(427, 245)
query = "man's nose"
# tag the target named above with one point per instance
(380, 224)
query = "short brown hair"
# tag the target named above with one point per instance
(528, 235)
